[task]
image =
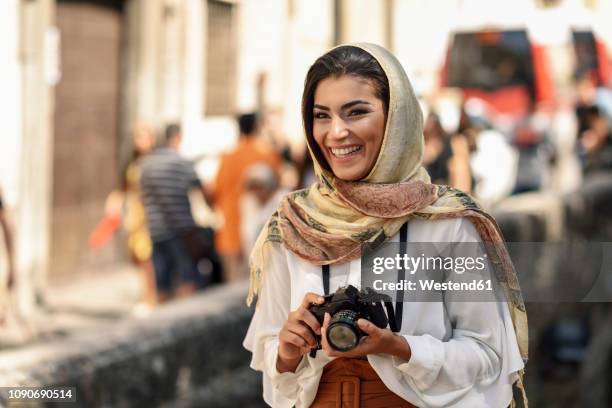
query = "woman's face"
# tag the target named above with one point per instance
(144, 139)
(348, 125)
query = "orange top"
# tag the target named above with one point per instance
(229, 187)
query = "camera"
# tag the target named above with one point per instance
(346, 306)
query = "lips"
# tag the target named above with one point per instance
(345, 151)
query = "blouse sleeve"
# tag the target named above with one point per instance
(443, 372)
(273, 307)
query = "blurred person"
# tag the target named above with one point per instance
(536, 152)
(271, 133)
(446, 158)
(567, 173)
(494, 164)
(166, 181)
(124, 207)
(8, 242)
(586, 94)
(493, 161)
(603, 100)
(589, 98)
(588, 208)
(306, 174)
(229, 187)
(363, 126)
(262, 193)
(595, 144)
(470, 124)
(271, 127)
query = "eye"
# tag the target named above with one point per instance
(320, 115)
(358, 112)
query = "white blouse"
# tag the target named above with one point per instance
(464, 354)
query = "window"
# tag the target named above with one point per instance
(585, 48)
(490, 60)
(220, 80)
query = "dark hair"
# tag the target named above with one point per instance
(172, 130)
(436, 124)
(247, 123)
(344, 60)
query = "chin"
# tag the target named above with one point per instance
(349, 175)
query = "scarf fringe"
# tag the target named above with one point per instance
(519, 388)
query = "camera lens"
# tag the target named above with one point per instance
(343, 333)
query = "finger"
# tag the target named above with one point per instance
(311, 298)
(358, 351)
(330, 351)
(361, 350)
(368, 327)
(326, 320)
(294, 339)
(309, 320)
(302, 331)
(324, 344)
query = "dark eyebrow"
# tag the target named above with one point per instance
(345, 106)
(353, 103)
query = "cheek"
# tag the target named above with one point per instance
(318, 133)
(374, 131)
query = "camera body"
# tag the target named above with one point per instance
(346, 306)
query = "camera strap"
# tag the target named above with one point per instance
(325, 272)
(395, 316)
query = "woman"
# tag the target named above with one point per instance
(127, 201)
(364, 130)
(446, 158)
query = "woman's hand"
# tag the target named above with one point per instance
(377, 341)
(297, 335)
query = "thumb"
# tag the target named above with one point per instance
(367, 327)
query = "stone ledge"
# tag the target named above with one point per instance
(243, 385)
(142, 362)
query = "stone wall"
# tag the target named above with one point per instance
(188, 353)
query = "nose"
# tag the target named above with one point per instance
(339, 129)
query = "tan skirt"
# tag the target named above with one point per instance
(353, 383)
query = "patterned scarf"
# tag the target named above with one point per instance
(327, 223)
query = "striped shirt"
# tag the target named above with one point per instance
(165, 182)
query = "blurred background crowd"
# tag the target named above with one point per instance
(117, 111)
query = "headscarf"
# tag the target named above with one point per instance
(328, 223)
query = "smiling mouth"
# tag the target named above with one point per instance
(345, 151)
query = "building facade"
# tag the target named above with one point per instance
(78, 74)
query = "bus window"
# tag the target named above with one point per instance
(586, 55)
(490, 60)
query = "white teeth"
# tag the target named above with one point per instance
(345, 150)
